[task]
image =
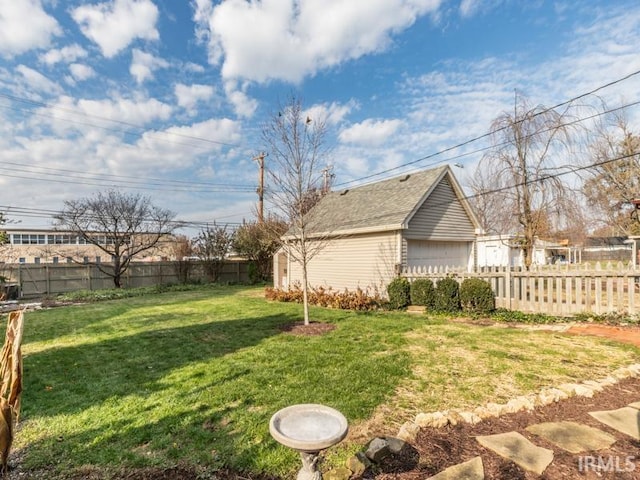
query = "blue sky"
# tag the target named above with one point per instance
(166, 97)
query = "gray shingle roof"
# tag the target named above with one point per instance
(384, 205)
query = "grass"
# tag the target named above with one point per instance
(194, 376)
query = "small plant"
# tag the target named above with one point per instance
(515, 316)
(399, 291)
(476, 296)
(423, 293)
(359, 299)
(447, 295)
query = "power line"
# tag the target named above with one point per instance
(51, 214)
(134, 180)
(488, 134)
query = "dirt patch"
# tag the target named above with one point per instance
(314, 328)
(627, 334)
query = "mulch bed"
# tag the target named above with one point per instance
(438, 449)
(314, 328)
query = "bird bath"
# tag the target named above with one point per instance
(308, 428)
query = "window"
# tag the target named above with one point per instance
(97, 259)
(69, 260)
(85, 259)
(22, 260)
(56, 260)
(36, 260)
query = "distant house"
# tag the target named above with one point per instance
(505, 250)
(372, 231)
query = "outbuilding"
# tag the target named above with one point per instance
(370, 233)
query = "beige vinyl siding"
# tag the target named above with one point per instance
(365, 261)
(441, 217)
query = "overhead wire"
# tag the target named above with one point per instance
(488, 134)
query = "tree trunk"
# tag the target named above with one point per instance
(305, 293)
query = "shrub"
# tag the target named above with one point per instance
(399, 291)
(447, 295)
(360, 300)
(423, 293)
(476, 296)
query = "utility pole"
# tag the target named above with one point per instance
(260, 190)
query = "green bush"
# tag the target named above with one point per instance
(423, 293)
(399, 291)
(447, 295)
(476, 296)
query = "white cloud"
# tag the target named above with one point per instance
(333, 113)
(94, 119)
(81, 72)
(25, 25)
(469, 8)
(370, 132)
(189, 95)
(144, 64)
(243, 105)
(67, 54)
(37, 81)
(292, 39)
(115, 24)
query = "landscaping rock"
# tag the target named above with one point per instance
(378, 450)
(584, 391)
(471, 470)
(339, 473)
(395, 444)
(408, 431)
(358, 464)
(568, 388)
(435, 420)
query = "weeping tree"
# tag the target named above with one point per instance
(120, 225)
(613, 186)
(519, 182)
(297, 153)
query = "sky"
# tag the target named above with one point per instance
(167, 98)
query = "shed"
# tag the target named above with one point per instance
(372, 231)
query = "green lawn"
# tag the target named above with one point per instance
(193, 377)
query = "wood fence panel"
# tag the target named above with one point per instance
(37, 280)
(556, 291)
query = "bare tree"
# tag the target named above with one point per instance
(121, 225)
(521, 173)
(297, 152)
(614, 181)
(212, 246)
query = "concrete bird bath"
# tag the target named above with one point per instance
(308, 428)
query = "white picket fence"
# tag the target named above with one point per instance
(553, 289)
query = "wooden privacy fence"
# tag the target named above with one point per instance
(554, 290)
(36, 280)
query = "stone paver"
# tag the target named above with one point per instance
(625, 420)
(513, 446)
(635, 405)
(471, 470)
(572, 437)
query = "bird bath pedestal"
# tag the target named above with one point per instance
(308, 428)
